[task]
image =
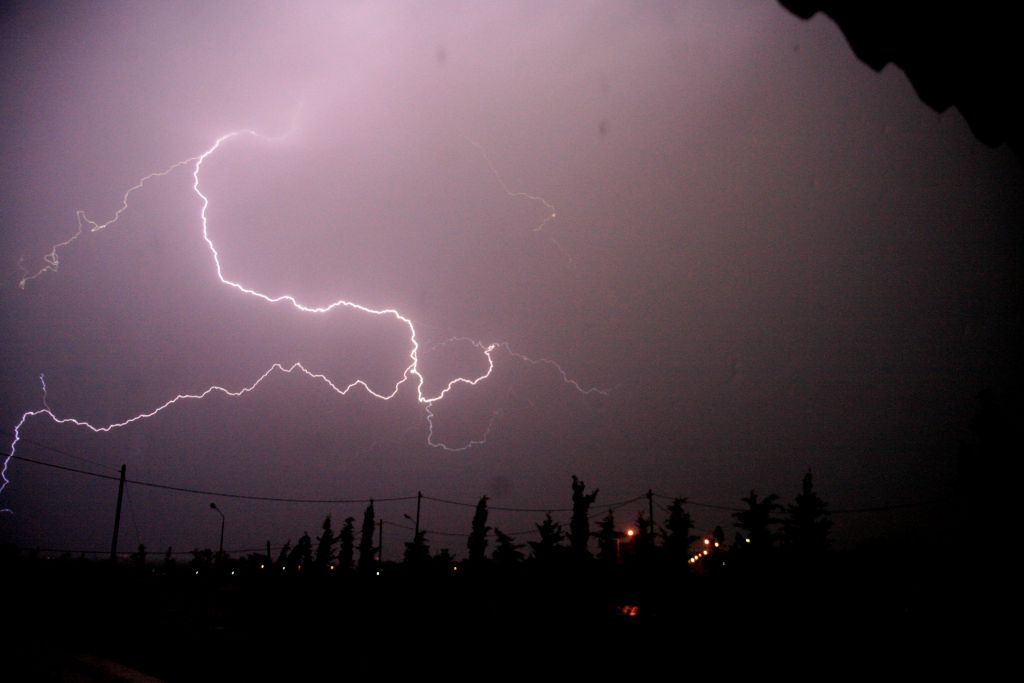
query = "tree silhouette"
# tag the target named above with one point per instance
(676, 537)
(138, 558)
(443, 562)
(644, 541)
(325, 546)
(807, 523)
(417, 552)
(579, 526)
(757, 522)
(282, 557)
(202, 560)
(547, 548)
(169, 560)
(366, 548)
(346, 545)
(477, 543)
(607, 539)
(506, 550)
(301, 557)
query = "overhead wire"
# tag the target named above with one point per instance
(445, 501)
(59, 451)
(220, 494)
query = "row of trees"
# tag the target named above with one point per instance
(764, 529)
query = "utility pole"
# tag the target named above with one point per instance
(380, 543)
(650, 513)
(117, 517)
(419, 498)
(220, 551)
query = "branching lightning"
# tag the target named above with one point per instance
(552, 213)
(52, 262)
(52, 259)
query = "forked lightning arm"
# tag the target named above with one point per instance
(52, 262)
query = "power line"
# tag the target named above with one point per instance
(427, 532)
(841, 511)
(445, 501)
(58, 450)
(887, 508)
(494, 507)
(500, 508)
(695, 503)
(221, 494)
(62, 467)
(148, 551)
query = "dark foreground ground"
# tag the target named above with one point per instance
(79, 620)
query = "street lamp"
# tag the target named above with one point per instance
(213, 506)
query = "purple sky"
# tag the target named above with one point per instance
(775, 259)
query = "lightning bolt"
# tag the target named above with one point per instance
(52, 259)
(552, 213)
(85, 224)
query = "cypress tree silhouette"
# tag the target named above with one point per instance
(366, 549)
(346, 547)
(325, 546)
(807, 523)
(757, 522)
(607, 539)
(546, 550)
(676, 537)
(477, 543)
(282, 557)
(579, 526)
(301, 557)
(169, 560)
(506, 551)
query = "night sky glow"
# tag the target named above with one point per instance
(696, 247)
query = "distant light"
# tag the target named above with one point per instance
(261, 566)
(197, 572)
(630, 533)
(232, 572)
(705, 552)
(716, 544)
(378, 572)
(746, 540)
(707, 542)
